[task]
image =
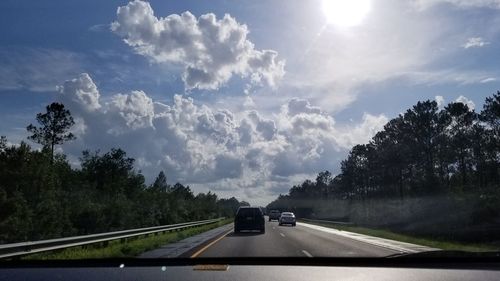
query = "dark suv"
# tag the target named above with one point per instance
(249, 218)
(274, 215)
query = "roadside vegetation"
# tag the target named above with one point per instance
(431, 173)
(43, 196)
(130, 248)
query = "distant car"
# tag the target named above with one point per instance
(287, 218)
(249, 218)
(274, 215)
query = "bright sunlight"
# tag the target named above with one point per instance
(346, 13)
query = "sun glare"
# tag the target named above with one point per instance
(346, 13)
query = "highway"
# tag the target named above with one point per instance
(289, 241)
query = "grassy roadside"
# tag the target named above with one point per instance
(132, 248)
(383, 233)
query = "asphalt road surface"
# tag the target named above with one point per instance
(290, 241)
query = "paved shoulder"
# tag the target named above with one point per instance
(402, 247)
(176, 249)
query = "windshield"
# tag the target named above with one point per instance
(167, 129)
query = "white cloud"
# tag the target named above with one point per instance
(424, 4)
(466, 101)
(440, 101)
(211, 50)
(135, 109)
(81, 91)
(210, 147)
(489, 79)
(446, 76)
(248, 103)
(296, 106)
(99, 27)
(363, 132)
(475, 42)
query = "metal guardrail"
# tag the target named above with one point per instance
(327, 221)
(26, 248)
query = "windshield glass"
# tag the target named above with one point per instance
(355, 128)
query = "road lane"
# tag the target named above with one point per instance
(291, 241)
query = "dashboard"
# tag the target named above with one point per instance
(243, 271)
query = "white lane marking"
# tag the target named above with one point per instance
(282, 235)
(307, 253)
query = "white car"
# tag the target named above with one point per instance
(287, 218)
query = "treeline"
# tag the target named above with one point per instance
(430, 170)
(39, 200)
(42, 196)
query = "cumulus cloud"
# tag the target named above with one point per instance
(209, 147)
(440, 101)
(135, 109)
(296, 106)
(466, 101)
(211, 50)
(81, 91)
(475, 42)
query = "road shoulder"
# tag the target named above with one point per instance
(398, 246)
(188, 246)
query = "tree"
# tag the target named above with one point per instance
(244, 203)
(228, 206)
(460, 133)
(423, 131)
(3, 143)
(491, 135)
(491, 113)
(323, 180)
(160, 183)
(55, 124)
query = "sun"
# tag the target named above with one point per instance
(346, 13)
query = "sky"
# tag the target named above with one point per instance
(243, 98)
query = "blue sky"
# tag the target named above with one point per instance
(247, 101)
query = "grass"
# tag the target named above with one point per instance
(131, 248)
(424, 241)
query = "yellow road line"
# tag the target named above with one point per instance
(210, 244)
